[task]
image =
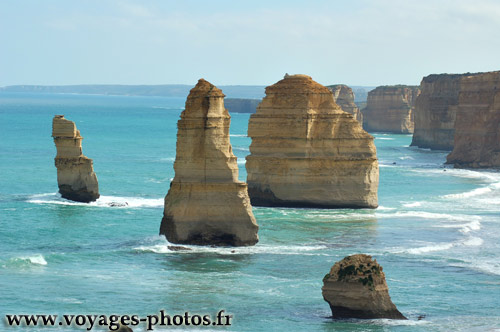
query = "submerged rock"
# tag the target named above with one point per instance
(122, 328)
(344, 97)
(356, 288)
(206, 204)
(477, 135)
(75, 173)
(390, 109)
(307, 152)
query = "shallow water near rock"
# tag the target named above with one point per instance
(436, 232)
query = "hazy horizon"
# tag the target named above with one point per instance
(358, 43)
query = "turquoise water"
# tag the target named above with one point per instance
(436, 232)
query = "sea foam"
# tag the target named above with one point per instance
(103, 201)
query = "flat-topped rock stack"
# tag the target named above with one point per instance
(435, 111)
(307, 152)
(477, 124)
(355, 287)
(75, 173)
(344, 97)
(206, 204)
(390, 109)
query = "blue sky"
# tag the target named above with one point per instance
(356, 42)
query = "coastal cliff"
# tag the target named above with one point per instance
(435, 112)
(75, 173)
(307, 152)
(390, 109)
(477, 135)
(344, 97)
(206, 204)
(355, 287)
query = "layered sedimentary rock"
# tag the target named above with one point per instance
(307, 152)
(75, 173)
(390, 109)
(344, 97)
(206, 204)
(356, 288)
(477, 124)
(435, 112)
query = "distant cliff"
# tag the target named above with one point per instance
(435, 111)
(166, 90)
(239, 105)
(390, 109)
(344, 97)
(477, 135)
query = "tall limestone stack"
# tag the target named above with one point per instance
(435, 112)
(477, 125)
(307, 152)
(390, 109)
(344, 97)
(75, 173)
(356, 288)
(206, 204)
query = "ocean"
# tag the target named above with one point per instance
(436, 232)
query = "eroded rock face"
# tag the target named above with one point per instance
(435, 112)
(477, 135)
(356, 288)
(75, 173)
(390, 109)
(344, 97)
(307, 152)
(206, 204)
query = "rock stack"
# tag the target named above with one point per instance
(435, 112)
(75, 173)
(356, 288)
(477, 135)
(344, 97)
(206, 204)
(307, 152)
(390, 109)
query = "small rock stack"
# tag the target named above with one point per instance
(75, 173)
(356, 288)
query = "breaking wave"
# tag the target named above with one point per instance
(103, 201)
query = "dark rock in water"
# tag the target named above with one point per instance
(117, 204)
(178, 248)
(356, 288)
(123, 328)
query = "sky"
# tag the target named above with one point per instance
(355, 42)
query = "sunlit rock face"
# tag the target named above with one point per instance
(390, 109)
(307, 152)
(435, 112)
(344, 97)
(75, 173)
(206, 204)
(477, 133)
(355, 287)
